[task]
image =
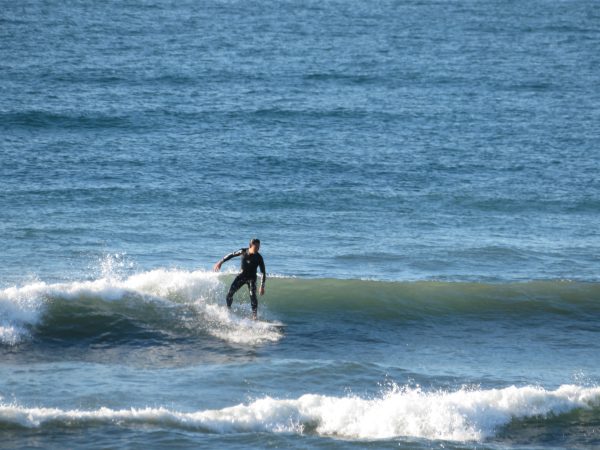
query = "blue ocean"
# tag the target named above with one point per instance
(423, 176)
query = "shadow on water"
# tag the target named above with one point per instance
(150, 353)
(574, 429)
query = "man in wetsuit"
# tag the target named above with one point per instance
(251, 260)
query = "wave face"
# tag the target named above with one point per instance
(430, 298)
(463, 415)
(169, 303)
(154, 304)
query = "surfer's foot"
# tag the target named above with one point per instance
(254, 316)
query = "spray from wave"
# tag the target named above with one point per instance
(165, 301)
(463, 415)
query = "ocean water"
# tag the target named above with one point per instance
(423, 176)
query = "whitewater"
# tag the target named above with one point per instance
(464, 415)
(145, 297)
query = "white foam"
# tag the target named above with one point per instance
(25, 306)
(12, 334)
(238, 330)
(463, 415)
(18, 307)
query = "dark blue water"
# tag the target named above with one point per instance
(424, 179)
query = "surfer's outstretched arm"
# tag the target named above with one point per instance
(218, 265)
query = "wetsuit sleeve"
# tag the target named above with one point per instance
(263, 271)
(231, 255)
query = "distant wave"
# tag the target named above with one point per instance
(162, 303)
(50, 119)
(463, 415)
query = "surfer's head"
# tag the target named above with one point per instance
(254, 244)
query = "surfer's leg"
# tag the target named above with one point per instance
(238, 282)
(253, 299)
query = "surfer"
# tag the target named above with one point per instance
(251, 260)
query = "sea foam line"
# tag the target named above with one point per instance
(463, 415)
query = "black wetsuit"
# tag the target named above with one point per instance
(250, 262)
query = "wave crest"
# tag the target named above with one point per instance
(172, 301)
(149, 303)
(463, 415)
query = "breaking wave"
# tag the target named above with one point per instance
(463, 415)
(163, 303)
(158, 303)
